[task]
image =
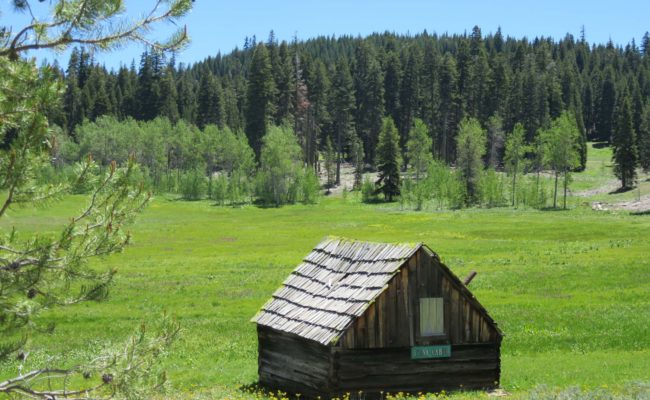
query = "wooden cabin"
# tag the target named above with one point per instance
(378, 318)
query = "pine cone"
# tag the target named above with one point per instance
(107, 378)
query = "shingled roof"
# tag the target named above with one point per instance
(333, 286)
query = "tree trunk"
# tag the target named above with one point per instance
(555, 191)
(210, 185)
(514, 187)
(566, 179)
(338, 157)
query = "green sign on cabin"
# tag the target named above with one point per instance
(424, 352)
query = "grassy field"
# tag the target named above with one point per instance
(570, 289)
(598, 183)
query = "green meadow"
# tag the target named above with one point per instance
(570, 289)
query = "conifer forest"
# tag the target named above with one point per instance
(336, 92)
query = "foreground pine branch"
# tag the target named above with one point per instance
(95, 24)
(130, 371)
(48, 271)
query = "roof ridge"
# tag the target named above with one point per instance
(343, 239)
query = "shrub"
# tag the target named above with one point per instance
(219, 192)
(455, 190)
(534, 192)
(416, 193)
(280, 167)
(239, 188)
(368, 191)
(310, 187)
(193, 185)
(492, 189)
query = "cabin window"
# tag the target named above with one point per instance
(432, 318)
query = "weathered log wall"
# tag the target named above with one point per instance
(293, 364)
(392, 321)
(471, 366)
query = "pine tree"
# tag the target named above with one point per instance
(392, 83)
(101, 102)
(588, 109)
(498, 41)
(168, 106)
(644, 140)
(638, 105)
(55, 112)
(187, 102)
(479, 78)
(72, 96)
(430, 98)
(304, 123)
(572, 100)
(205, 106)
(495, 140)
(554, 94)
(645, 44)
(388, 160)
(343, 105)
(513, 109)
(234, 90)
(409, 96)
(449, 108)
(210, 102)
(605, 121)
(83, 67)
(285, 81)
(369, 94)
(534, 107)
(148, 90)
(497, 95)
(318, 89)
(625, 155)
(463, 61)
(260, 95)
(125, 84)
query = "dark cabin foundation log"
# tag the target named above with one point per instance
(291, 364)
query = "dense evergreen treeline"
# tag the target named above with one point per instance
(341, 88)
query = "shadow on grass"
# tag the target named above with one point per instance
(600, 145)
(621, 190)
(173, 198)
(554, 209)
(376, 201)
(240, 204)
(640, 213)
(259, 203)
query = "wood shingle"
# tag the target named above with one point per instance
(333, 286)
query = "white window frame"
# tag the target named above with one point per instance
(432, 316)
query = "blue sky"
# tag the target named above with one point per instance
(219, 26)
